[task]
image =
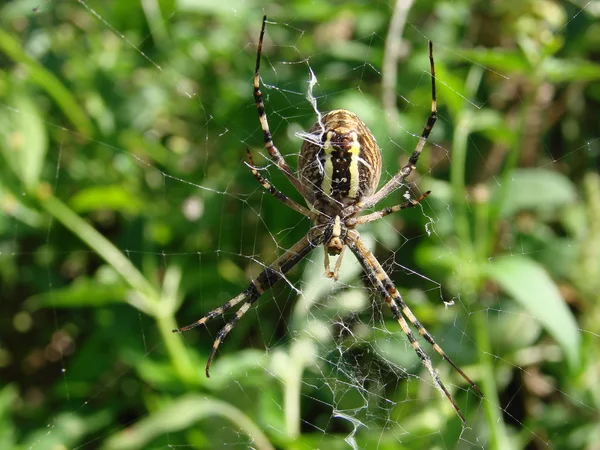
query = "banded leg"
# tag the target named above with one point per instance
(386, 211)
(273, 190)
(264, 281)
(264, 124)
(393, 298)
(405, 171)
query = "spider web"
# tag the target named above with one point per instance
(315, 364)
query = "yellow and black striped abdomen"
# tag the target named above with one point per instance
(342, 163)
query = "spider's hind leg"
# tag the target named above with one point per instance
(217, 311)
(386, 287)
(264, 281)
(429, 338)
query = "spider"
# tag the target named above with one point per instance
(338, 173)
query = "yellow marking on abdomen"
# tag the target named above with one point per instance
(353, 169)
(328, 166)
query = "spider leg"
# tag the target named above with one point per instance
(386, 211)
(394, 300)
(426, 335)
(273, 190)
(405, 171)
(248, 293)
(264, 281)
(264, 124)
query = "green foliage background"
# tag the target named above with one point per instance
(127, 210)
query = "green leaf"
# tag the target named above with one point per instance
(113, 197)
(235, 366)
(9, 395)
(11, 206)
(569, 70)
(531, 286)
(538, 190)
(437, 257)
(44, 78)
(181, 414)
(487, 119)
(66, 430)
(81, 293)
(501, 60)
(23, 139)
(212, 7)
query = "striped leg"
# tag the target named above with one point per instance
(399, 178)
(273, 190)
(394, 300)
(386, 211)
(264, 124)
(264, 281)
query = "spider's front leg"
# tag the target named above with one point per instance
(264, 281)
(405, 171)
(410, 203)
(266, 184)
(276, 156)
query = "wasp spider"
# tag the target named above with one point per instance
(338, 174)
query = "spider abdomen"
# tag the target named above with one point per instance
(342, 164)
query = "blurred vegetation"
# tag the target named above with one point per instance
(128, 210)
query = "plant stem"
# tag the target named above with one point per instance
(103, 247)
(498, 435)
(148, 299)
(291, 400)
(178, 355)
(475, 247)
(457, 178)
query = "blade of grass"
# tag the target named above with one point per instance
(146, 297)
(49, 82)
(470, 273)
(180, 415)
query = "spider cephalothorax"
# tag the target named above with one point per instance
(338, 174)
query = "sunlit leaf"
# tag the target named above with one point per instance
(43, 77)
(501, 60)
(11, 206)
(23, 140)
(179, 415)
(564, 70)
(66, 430)
(537, 190)
(207, 6)
(531, 286)
(234, 366)
(113, 197)
(82, 293)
